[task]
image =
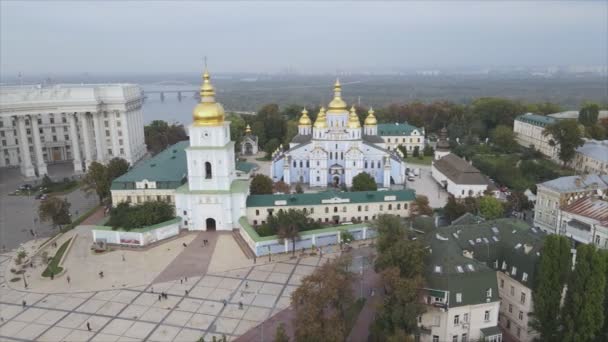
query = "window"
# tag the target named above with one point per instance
(381, 207)
(510, 308)
(465, 318)
(514, 270)
(523, 298)
(335, 209)
(326, 210)
(366, 208)
(257, 212)
(486, 316)
(464, 337)
(518, 331)
(343, 209)
(398, 206)
(455, 338)
(208, 172)
(459, 298)
(390, 207)
(502, 283)
(524, 277)
(294, 163)
(489, 293)
(508, 324)
(512, 291)
(358, 208)
(185, 213)
(521, 315)
(435, 338)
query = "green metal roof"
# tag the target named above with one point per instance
(168, 169)
(318, 197)
(392, 129)
(245, 166)
(537, 120)
(491, 331)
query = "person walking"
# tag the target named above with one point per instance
(68, 279)
(23, 303)
(88, 326)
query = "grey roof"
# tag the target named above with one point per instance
(460, 171)
(573, 114)
(300, 139)
(577, 183)
(374, 139)
(597, 150)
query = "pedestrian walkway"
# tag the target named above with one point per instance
(193, 260)
(95, 218)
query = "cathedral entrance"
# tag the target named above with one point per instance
(336, 181)
(210, 224)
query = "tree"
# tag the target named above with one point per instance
(149, 213)
(587, 116)
(490, 208)
(281, 187)
(416, 152)
(117, 167)
(421, 206)
(260, 185)
(453, 209)
(271, 146)
(299, 189)
(281, 335)
(237, 128)
(583, 312)
(551, 277)
(518, 201)
(289, 225)
(364, 182)
(55, 210)
(290, 131)
(96, 179)
(566, 135)
(604, 335)
(158, 135)
(403, 150)
(504, 138)
(428, 151)
(322, 301)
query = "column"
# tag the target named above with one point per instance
(41, 165)
(114, 135)
(27, 169)
(75, 143)
(86, 137)
(98, 136)
(126, 142)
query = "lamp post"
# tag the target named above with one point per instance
(269, 257)
(24, 281)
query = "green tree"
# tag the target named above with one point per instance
(364, 182)
(159, 134)
(260, 185)
(403, 150)
(490, 208)
(96, 179)
(116, 168)
(56, 211)
(583, 312)
(322, 301)
(281, 334)
(453, 209)
(416, 152)
(271, 146)
(259, 129)
(149, 213)
(587, 116)
(237, 128)
(567, 136)
(504, 138)
(519, 201)
(421, 207)
(552, 274)
(493, 112)
(290, 131)
(299, 189)
(428, 150)
(289, 225)
(604, 335)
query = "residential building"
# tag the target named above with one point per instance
(592, 157)
(573, 114)
(336, 148)
(529, 128)
(42, 125)
(552, 195)
(332, 206)
(585, 220)
(459, 177)
(461, 295)
(512, 249)
(402, 134)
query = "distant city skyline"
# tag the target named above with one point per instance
(306, 37)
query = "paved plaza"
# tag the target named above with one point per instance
(202, 306)
(425, 185)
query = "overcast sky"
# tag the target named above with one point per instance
(139, 36)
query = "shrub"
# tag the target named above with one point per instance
(127, 216)
(53, 266)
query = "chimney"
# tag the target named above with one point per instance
(467, 254)
(527, 248)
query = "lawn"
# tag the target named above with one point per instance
(426, 160)
(53, 267)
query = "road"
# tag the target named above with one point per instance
(19, 214)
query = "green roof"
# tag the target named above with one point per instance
(168, 169)
(392, 129)
(535, 119)
(508, 240)
(318, 197)
(245, 166)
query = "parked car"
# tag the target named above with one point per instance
(43, 197)
(410, 178)
(417, 171)
(25, 187)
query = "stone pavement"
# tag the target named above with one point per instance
(210, 307)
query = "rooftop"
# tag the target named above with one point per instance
(594, 149)
(591, 207)
(330, 197)
(573, 114)
(392, 129)
(535, 119)
(459, 170)
(577, 183)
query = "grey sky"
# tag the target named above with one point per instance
(143, 36)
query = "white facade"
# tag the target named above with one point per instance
(586, 221)
(402, 134)
(458, 177)
(529, 128)
(459, 324)
(592, 157)
(515, 307)
(40, 125)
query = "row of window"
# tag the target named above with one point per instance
(335, 219)
(388, 140)
(344, 209)
(522, 297)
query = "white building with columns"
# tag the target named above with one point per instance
(41, 125)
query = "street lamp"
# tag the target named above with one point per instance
(24, 281)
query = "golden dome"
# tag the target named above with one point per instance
(321, 121)
(337, 105)
(248, 129)
(304, 119)
(370, 120)
(353, 119)
(208, 112)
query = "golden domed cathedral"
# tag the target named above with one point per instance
(336, 148)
